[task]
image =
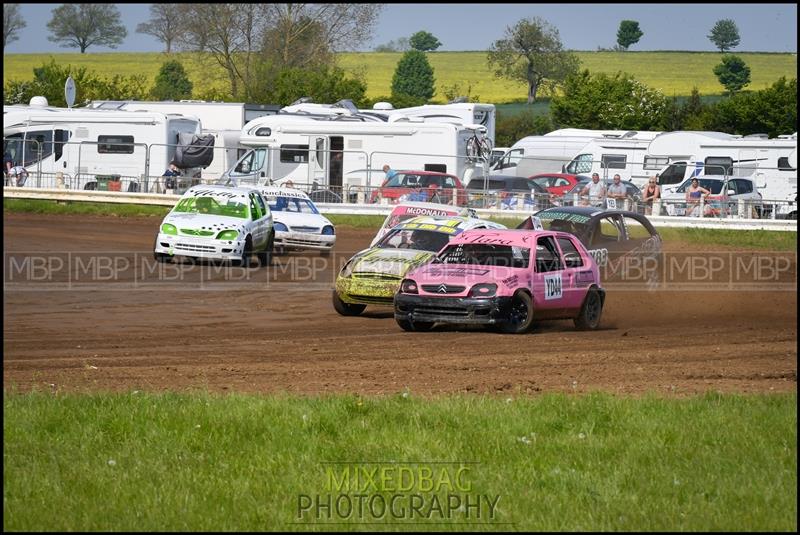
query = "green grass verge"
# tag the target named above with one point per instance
(143, 462)
(751, 239)
(674, 73)
(36, 206)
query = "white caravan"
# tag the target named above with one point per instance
(771, 163)
(555, 152)
(222, 120)
(344, 154)
(83, 144)
(461, 113)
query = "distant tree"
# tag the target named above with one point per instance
(424, 41)
(772, 111)
(600, 102)
(85, 25)
(413, 76)
(164, 24)
(12, 23)
(733, 73)
(453, 92)
(692, 112)
(531, 52)
(513, 127)
(628, 33)
(724, 35)
(172, 83)
(322, 84)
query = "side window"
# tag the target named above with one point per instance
(38, 146)
(572, 258)
(635, 230)
(743, 186)
(655, 163)
(607, 231)
(254, 209)
(511, 159)
(581, 164)
(294, 153)
(261, 205)
(613, 161)
(62, 136)
(115, 144)
(547, 255)
(784, 165)
(717, 165)
(561, 182)
(246, 164)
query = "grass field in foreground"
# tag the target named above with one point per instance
(674, 73)
(143, 461)
(750, 239)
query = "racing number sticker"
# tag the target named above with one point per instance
(552, 287)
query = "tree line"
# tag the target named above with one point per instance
(277, 53)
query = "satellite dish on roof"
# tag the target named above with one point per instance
(69, 91)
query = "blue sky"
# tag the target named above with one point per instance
(762, 27)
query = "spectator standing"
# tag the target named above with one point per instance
(617, 191)
(651, 193)
(694, 194)
(171, 172)
(390, 173)
(595, 190)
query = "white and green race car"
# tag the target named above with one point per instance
(218, 222)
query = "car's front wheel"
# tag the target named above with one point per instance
(520, 315)
(247, 252)
(346, 309)
(591, 310)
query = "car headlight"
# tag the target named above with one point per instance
(167, 228)
(483, 290)
(280, 227)
(228, 235)
(328, 230)
(408, 286)
(347, 269)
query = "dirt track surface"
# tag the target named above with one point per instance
(123, 326)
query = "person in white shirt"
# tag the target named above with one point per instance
(596, 191)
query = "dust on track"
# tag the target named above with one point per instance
(273, 329)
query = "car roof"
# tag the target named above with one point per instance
(462, 223)
(587, 211)
(433, 173)
(210, 190)
(514, 237)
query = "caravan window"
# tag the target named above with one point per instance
(294, 153)
(613, 161)
(581, 164)
(784, 165)
(651, 162)
(29, 147)
(716, 165)
(115, 144)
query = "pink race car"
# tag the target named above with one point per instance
(504, 278)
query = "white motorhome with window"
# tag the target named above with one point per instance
(461, 113)
(83, 144)
(552, 152)
(222, 120)
(772, 163)
(305, 150)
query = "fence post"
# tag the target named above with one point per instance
(741, 209)
(656, 207)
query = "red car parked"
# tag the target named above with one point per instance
(556, 183)
(422, 186)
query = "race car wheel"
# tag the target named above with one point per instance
(247, 252)
(405, 325)
(346, 309)
(520, 316)
(592, 308)
(265, 256)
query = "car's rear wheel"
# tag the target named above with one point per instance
(346, 309)
(591, 310)
(520, 315)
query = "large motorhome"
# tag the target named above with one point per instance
(556, 151)
(83, 144)
(771, 163)
(461, 113)
(222, 120)
(343, 154)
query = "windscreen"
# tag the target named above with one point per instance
(486, 255)
(291, 204)
(418, 239)
(222, 206)
(563, 221)
(714, 186)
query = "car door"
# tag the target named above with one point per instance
(548, 279)
(573, 264)
(258, 230)
(606, 240)
(266, 219)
